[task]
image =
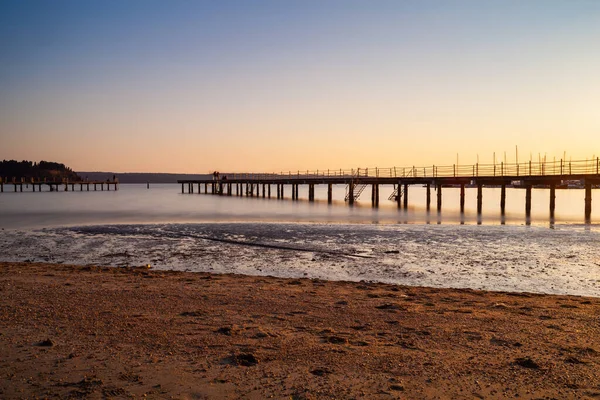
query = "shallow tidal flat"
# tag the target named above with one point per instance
(94, 332)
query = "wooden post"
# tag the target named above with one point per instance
(528, 200)
(264, 187)
(439, 197)
(72, 187)
(329, 193)
(282, 186)
(278, 191)
(33, 187)
(462, 198)
(399, 195)
(428, 194)
(503, 199)
(588, 202)
(373, 194)
(191, 188)
(405, 195)
(351, 192)
(376, 195)
(95, 188)
(479, 198)
(269, 191)
(552, 199)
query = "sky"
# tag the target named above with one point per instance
(270, 86)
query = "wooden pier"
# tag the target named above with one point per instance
(552, 175)
(55, 186)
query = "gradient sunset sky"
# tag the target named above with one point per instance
(197, 86)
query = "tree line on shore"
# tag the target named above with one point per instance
(37, 170)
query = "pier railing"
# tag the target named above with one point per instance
(529, 168)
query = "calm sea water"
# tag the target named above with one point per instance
(198, 232)
(165, 204)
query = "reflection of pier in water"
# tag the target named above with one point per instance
(55, 186)
(552, 175)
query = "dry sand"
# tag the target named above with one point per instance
(90, 332)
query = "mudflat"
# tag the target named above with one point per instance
(94, 332)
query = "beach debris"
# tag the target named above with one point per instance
(527, 362)
(392, 252)
(192, 313)
(389, 306)
(397, 388)
(45, 343)
(263, 334)
(228, 330)
(320, 371)
(337, 340)
(245, 359)
(129, 377)
(113, 391)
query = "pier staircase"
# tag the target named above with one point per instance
(398, 191)
(358, 189)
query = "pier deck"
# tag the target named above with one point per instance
(584, 174)
(56, 186)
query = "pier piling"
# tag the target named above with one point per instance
(479, 198)
(528, 201)
(503, 199)
(552, 199)
(588, 201)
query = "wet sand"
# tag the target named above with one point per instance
(92, 332)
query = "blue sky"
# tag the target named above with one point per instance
(377, 83)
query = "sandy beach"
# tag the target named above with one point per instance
(93, 332)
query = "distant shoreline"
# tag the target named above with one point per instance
(140, 177)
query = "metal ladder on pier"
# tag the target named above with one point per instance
(398, 191)
(358, 187)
